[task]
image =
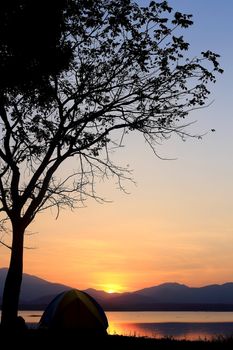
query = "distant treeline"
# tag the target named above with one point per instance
(172, 307)
(153, 307)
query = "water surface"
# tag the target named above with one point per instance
(159, 324)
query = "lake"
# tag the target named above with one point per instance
(158, 324)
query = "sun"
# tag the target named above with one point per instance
(111, 291)
(112, 288)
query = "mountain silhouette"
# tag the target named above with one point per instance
(36, 293)
(33, 287)
(180, 293)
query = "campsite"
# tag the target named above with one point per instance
(73, 319)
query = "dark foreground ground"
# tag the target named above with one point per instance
(39, 339)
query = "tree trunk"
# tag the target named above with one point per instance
(13, 281)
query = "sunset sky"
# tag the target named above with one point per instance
(176, 225)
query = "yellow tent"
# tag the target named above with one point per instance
(74, 309)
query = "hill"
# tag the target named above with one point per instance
(175, 296)
(36, 293)
(34, 288)
(179, 293)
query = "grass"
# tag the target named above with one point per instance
(42, 339)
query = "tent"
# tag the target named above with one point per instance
(74, 309)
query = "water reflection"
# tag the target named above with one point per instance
(179, 325)
(189, 331)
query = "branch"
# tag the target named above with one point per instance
(36, 201)
(4, 198)
(44, 163)
(5, 245)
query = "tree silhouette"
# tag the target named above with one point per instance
(122, 69)
(30, 42)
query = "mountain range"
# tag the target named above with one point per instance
(36, 293)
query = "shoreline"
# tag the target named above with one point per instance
(66, 339)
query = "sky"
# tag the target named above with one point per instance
(176, 223)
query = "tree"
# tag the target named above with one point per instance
(126, 72)
(30, 42)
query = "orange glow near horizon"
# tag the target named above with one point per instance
(143, 249)
(111, 291)
(112, 288)
(110, 282)
(124, 246)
